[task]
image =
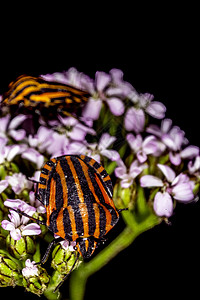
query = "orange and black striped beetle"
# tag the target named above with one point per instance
(34, 92)
(77, 193)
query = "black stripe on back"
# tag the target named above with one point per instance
(20, 91)
(102, 222)
(87, 194)
(53, 221)
(107, 184)
(59, 191)
(67, 224)
(73, 198)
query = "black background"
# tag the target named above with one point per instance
(157, 49)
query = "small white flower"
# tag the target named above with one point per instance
(18, 182)
(172, 187)
(17, 226)
(30, 269)
(66, 245)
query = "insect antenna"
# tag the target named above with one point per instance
(39, 222)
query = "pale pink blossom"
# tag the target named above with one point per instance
(36, 203)
(127, 175)
(9, 127)
(102, 148)
(100, 91)
(134, 120)
(70, 77)
(194, 166)
(17, 226)
(172, 187)
(174, 139)
(3, 185)
(34, 156)
(18, 182)
(74, 129)
(42, 139)
(67, 245)
(144, 102)
(163, 204)
(143, 148)
(30, 269)
(9, 152)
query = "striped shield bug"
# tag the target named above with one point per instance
(77, 193)
(34, 92)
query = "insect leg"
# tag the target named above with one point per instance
(26, 215)
(119, 210)
(51, 244)
(66, 276)
(34, 181)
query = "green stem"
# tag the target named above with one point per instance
(79, 277)
(56, 278)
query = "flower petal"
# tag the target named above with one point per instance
(134, 120)
(183, 192)
(16, 234)
(3, 185)
(14, 218)
(166, 125)
(150, 145)
(30, 269)
(190, 152)
(111, 154)
(34, 156)
(31, 229)
(102, 80)
(136, 169)
(168, 141)
(116, 106)
(167, 171)
(4, 123)
(156, 109)
(15, 122)
(121, 170)
(14, 203)
(77, 134)
(92, 109)
(7, 225)
(163, 204)
(150, 181)
(175, 158)
(194, 166)
(76, 148)
(105, 141)
(126, 182)
(13, 151)
(141, 156)
(17, 135)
